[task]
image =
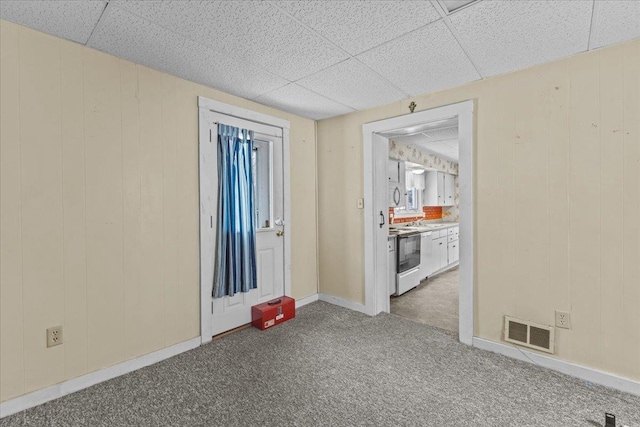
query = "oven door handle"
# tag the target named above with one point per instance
(382, 223)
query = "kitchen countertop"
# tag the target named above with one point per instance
(417, 229)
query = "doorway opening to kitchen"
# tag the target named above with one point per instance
(424, 233)
(419, 225)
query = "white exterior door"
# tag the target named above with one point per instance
(231, 312)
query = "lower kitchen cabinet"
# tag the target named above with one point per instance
(454, 252)
(440, 246)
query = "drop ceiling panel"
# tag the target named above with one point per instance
(254, 32)
(441, 150)
(72, 20)
(131, 37)
(427, 60)
(615, 22)
(352, 84)
(414, 139)
(298, 100)
(357, 26)
(443, 134)
(504, 36)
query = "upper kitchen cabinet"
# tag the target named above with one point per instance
(439, 189)
(396, 171)
(449, 189)
(397, 184)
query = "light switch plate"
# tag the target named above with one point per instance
(360, 203)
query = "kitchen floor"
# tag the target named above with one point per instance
(433, 302)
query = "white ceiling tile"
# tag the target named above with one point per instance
(131, 37)
(298, 100)
(425, 61)
(72, 20)
(352, 84)
(417, 139)
(504, 36)
(443, 133)
(453, 144)
(615, 22)
(441, 150)
(253, 31)
(357, 26)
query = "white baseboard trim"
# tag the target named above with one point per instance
(39, 397)
(341, 302)
(568, 368)
(306, 300)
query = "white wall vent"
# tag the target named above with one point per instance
(529, 334)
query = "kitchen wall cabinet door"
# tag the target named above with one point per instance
(396, 171)
(439, 189)
(397, 194)
(449, 189)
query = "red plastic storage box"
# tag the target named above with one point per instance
(271, 313)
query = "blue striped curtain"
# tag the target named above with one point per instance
(235, 263)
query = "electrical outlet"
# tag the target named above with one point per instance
(54, 336)
(563, 319)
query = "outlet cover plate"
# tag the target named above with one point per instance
(54, 336)
(563, 319)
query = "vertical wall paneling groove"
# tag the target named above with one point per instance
(11, 289)
(611, 206)
(584, 224)
(188, 208)
(531, 175)
(631, 207)
(41, 194)
(170, 214)
(488, 246)
(73, 193)
(558, 193)
(152, 200)
(103, 145)
(505, 236)
(129, 91)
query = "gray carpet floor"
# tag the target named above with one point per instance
(335, 367)
(433, 302)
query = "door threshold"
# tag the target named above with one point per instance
(231, 331)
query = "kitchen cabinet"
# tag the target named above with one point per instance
(428, 264)
(453, 249)
(439, 189)
(396, 171)
(453, 252)
(397, 188)
(449, 189)
(397, 195)
(441, 252)
(392, 265)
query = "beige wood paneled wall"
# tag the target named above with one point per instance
(99, 208)
(558, 202)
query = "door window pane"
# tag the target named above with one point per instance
(262, 183)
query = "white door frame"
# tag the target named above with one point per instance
(376, 295)
(209, 206)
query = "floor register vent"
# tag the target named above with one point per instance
(528, 334)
